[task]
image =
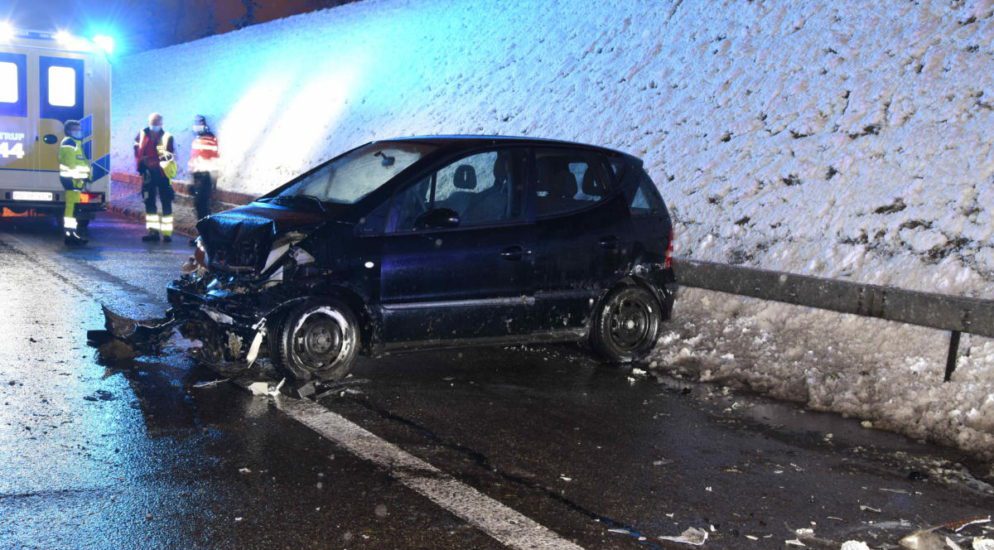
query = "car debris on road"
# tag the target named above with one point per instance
(692, 535)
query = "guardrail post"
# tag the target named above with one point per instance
(953, 355)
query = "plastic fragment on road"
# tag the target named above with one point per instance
(794, 542)
(266, 388)
(211, 383)
(983, 544)
(958, 526)
(692, 536)
(922, 540)
(244, 471)
(854, 545)
(865, 508)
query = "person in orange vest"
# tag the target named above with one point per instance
(204, 166)
(156, 162)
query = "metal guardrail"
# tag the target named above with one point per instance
(955, 314)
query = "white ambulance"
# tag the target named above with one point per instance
(45, 80)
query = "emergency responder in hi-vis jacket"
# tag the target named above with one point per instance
(74, 174)
(156, 162)
(204, 158)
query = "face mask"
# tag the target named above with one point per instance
(199, 128)
(155, 128)
(76, 134)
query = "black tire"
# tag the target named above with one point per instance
(626, 325)
(317, 339)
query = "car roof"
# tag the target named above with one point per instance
(474, 140)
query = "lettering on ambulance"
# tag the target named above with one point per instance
(12, 145)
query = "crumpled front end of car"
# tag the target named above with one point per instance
(230, 310)
(249, 266)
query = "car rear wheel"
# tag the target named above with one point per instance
(317, 339)
(626, 325)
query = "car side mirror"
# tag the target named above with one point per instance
(439, 218)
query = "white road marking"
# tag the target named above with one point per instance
(493, 518)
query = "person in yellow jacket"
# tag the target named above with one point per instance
(156, 162)
(74, 174)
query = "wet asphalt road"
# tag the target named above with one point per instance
(92, 457)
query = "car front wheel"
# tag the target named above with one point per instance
(318, 339)
(626, 325)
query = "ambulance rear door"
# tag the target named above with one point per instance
(19, 137)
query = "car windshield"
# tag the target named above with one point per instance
(356, 174)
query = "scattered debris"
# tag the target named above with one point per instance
(854, 545)
(115, 351)
(983, 544)
(244, 471)
(923, 540)
(959, 525)
(692, 536)
(307, 390)
(564, 478)
(266, 388)
(341, 388)
(865, 508)
(794, 542)
(210, 383)
(866, 424)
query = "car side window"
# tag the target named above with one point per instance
(646, 201)
(482, 189)
(568, 180)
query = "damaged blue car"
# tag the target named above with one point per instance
(431, 242)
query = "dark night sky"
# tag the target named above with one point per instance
(143, 24)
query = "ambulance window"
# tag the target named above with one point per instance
(9, 83)
(62, 86)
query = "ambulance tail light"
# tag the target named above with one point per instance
(90, 198)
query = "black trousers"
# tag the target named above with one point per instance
(155, 183)
(203, 188)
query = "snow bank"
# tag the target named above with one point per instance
(841, 139)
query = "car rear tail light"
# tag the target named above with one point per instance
(668, 261)
(87, 198)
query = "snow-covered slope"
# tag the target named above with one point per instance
(843, 139)
(838, 138)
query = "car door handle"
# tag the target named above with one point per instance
(610, 242)
(512, 253)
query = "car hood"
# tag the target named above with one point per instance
(240, 239)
